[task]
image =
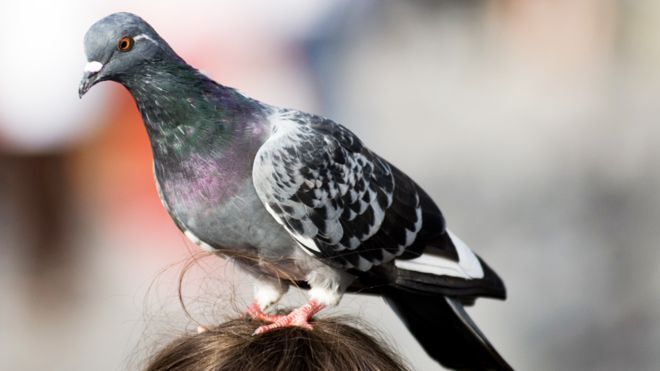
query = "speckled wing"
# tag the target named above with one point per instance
(336, 198)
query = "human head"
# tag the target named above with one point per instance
(332, 345)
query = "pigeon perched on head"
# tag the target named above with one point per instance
(295, 198)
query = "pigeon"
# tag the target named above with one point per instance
(295, 199)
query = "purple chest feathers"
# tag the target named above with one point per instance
(199, 182)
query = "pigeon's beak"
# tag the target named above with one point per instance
(90, 77)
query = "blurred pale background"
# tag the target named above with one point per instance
(533, 124)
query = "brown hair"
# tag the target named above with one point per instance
(332, 345)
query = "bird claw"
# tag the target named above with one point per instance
(255, 312)
(299, 317)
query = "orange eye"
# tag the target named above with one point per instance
(125, 44)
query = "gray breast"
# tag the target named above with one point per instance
(238, 222)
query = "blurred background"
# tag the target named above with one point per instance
(533, 124)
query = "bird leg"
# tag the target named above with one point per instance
(298, 317)
(266, 293)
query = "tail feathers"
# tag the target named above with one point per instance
(463, 274)
(445, 330)
(490, 285)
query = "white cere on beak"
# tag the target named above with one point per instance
(93, 67)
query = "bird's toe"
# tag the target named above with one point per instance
(255, 312)
(299, 317)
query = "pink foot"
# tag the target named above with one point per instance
(298, 317)
(254, 311)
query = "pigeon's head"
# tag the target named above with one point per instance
(116, 47)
